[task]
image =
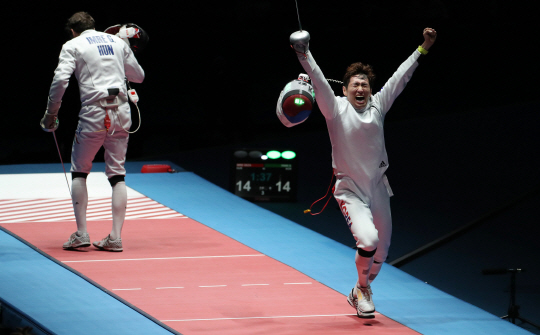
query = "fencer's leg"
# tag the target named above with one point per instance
(84, 149)
(364, 262)
(374, 271)
(119, 204)
(115, 157)
(382, 219)
(360, 221)
(79, 198)
(113, 241)
(365, 307)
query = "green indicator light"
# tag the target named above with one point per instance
(273, 154)
(288, 154)
(299, 101)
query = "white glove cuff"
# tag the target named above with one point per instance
(53, 107)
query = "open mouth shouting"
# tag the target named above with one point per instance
(360, 100)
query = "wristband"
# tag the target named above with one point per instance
(422, 50)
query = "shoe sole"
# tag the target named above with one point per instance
(366, 315)
(109, 249)
(84, 245)
(363, 315)
(370, 315)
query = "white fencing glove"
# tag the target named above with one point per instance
(49, 122)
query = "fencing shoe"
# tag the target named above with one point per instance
(76, 241)
(108, 244)
(362, 301)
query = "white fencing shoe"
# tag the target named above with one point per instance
(360, 298)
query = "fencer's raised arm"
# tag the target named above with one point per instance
(395, 85)
(326, 98)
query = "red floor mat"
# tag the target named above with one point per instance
(199, 281)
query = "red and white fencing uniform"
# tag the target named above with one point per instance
(359, 155)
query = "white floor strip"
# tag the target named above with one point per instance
(161, 258)
(50, 214)
(93, 208)
(48, 209)
(166, 216)
(149, 206)
(263, 317)
(26, 202)
(35, 208)
(144, 199)
(156, 216)
(136, 211)
(255, 284)
(61, 209)
(125, 289)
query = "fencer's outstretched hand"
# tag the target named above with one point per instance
(49, 122)
(300, 41)
(430, 35)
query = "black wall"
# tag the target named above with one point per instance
(214, 72)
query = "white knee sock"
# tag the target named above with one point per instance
(119, 204)
(79, 198)
(363, 266)
(375, 269)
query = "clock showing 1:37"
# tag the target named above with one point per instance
(265, 181)
(261, 176)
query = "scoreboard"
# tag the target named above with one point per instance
(264, 175)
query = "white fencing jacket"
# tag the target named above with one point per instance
(357, 136)
(100, 61)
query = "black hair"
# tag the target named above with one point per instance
(80, 22)
(356, 69)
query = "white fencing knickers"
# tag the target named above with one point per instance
(87, 143)
(369, 220)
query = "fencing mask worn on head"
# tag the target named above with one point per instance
(132, 34)
(296, 101)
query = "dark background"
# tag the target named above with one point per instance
(462, 138)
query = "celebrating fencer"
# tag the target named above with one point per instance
(359, 158)
(101, 63)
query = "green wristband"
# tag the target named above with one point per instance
(422, 50)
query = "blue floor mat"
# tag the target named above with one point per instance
(397, 294)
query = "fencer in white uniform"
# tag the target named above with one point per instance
(101, 63)
(359, 159)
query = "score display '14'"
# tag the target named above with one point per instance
(264, 179)
(286, 186)
(280, 186)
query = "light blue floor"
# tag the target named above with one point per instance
(396, 294)
(61, 301)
